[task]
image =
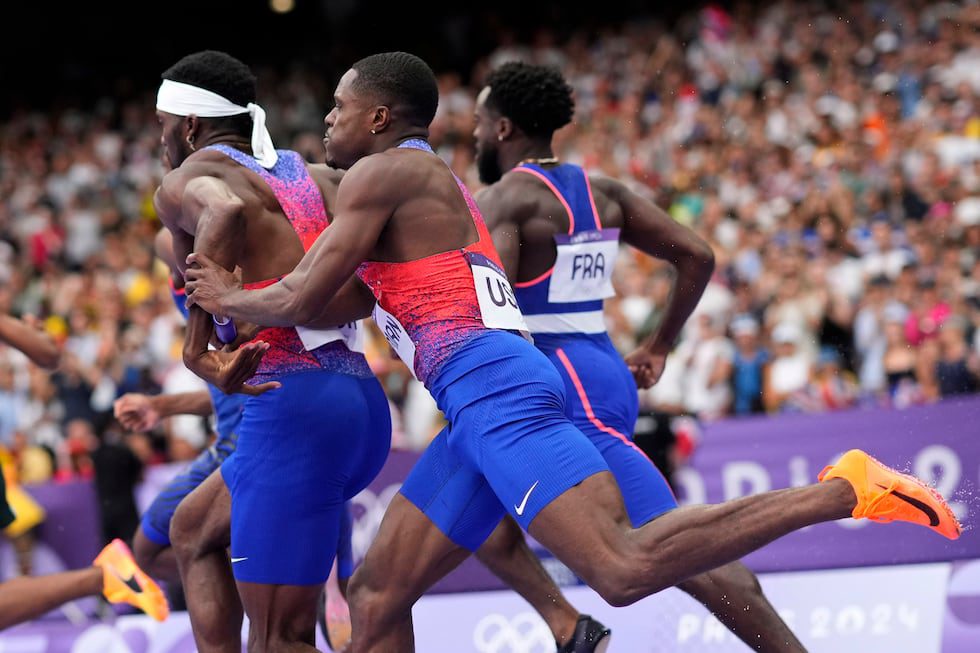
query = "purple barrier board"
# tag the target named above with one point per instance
(71, 527)
(938, 443)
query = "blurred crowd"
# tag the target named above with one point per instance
(830, 157)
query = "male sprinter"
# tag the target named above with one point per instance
(316, 428)
(140, 412)
(114, 573)
(414, 235)
(557, 231)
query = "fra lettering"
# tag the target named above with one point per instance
(590, 266)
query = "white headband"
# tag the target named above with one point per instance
(184, 100)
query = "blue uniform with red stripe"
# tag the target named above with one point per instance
(228, 415)
(508, 446)
(306, 448)
(563, 309)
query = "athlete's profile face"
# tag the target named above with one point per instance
(485, 135)
(175, 148)
(348, 125)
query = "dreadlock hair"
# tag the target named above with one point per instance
(219, 73)
(536, 98)
(400, 80)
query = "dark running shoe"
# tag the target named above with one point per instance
(590, 636)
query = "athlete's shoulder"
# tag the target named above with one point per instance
(168, 196)
(326, 178)
(321, 172)
(513, 199)
(607, 186)
(388, 172)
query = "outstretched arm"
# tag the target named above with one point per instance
(140, 412)
(204, 213)
(364, 204)
(652, 231)
(36, 345)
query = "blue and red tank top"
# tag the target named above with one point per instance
(430, 307)
(294, 349)
(567, 299)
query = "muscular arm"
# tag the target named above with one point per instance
(36, 345)
(364, 205)
(205, 214)
(503, 222)
(139, 412)
(652, 231)
(183, 403)
(352, 302)
(219, 229)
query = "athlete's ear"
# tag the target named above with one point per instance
(192, 126)
(505, 127)
(381, 118)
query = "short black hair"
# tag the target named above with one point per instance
(220, 73)
(400, 78)
(536, 98)
(217, 72)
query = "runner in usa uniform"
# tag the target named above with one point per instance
(545, 219)
(411, 231)
(316, 428)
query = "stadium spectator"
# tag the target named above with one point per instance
(832, 184)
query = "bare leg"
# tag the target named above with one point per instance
(393, 576)
(507, 555)
(200, 533)
(282, 618)
(156, 560)
(625, 565)
(25, 598)
(732, 593)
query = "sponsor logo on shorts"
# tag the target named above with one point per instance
(520, 509)
(239, 559)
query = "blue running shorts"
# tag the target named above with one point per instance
(509, 446)
(602, 403)
(303, 450)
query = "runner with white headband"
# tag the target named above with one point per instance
(323, 432)
(182, 99)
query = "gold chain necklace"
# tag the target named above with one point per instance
(546, 161)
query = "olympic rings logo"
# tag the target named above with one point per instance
(524, 633)
(369, 510)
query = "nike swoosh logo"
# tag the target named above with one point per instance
(239, 559)
(520, 509)
(130, 582)
(924, 507)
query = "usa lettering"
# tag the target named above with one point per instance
(393, 331)
(591, 266)
(505, 294)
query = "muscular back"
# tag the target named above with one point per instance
(534, 216)
(429, 214)
(258, 237)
